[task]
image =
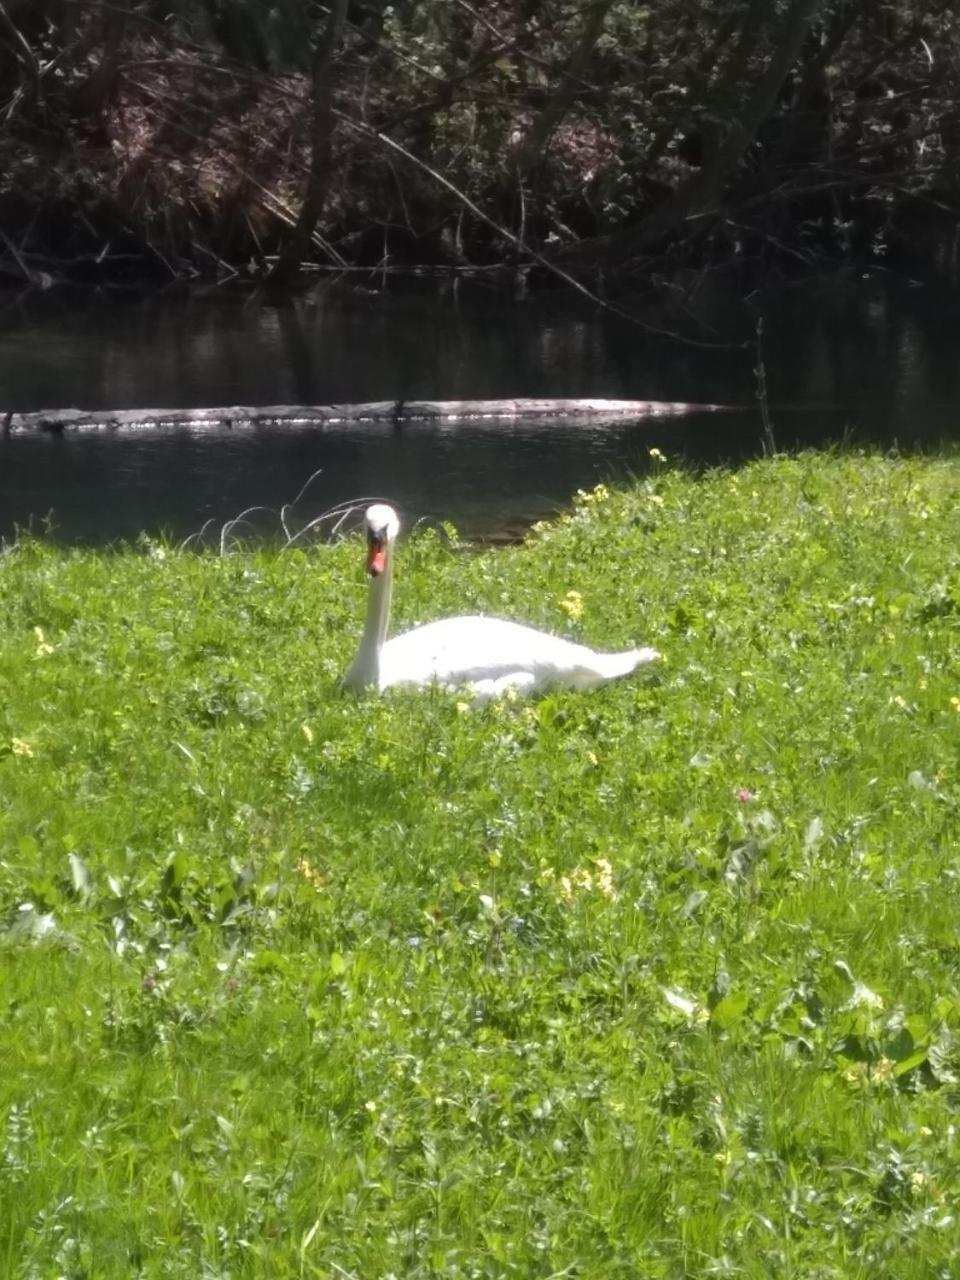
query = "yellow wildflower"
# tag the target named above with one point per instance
(20, 747)
(585, 880)
(43, 648)
(311, 874)
(579, 878)
(955, 703)
(605, 878)
(572, 605)
(883, 1071)
(657, 455)
(854, 1074)
(599, 493)
(306, 731)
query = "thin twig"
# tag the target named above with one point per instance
(288, 506)
(241, 518)
(196, 537)
(343, 510)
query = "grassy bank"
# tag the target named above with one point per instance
(658, 981)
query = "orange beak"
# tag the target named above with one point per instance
(376, 557)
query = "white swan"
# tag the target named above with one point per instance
(488, 654)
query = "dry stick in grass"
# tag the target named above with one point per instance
(340, 513)
(767, 439)
(229, 527)
(343, 510)
(288, 506)
(197, 537)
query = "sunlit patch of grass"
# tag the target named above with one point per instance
(662, 980)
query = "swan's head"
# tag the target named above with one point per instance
(383, 525)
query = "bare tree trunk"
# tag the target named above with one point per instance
(703, 187)
(808, 123)
(294, 249)
(531, 148)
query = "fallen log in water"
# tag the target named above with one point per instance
(395, 411)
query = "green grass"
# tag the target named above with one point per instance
(658, 981)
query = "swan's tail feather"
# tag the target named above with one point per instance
(611, 666)
(621, 664)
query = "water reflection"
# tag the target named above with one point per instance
(869, 360)
(488, 479)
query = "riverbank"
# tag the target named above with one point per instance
(658, 978)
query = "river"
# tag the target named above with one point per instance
(864, 359)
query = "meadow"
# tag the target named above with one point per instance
(661, 980)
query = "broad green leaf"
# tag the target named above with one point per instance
(730, 1010)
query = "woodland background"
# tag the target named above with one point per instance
(611, 140)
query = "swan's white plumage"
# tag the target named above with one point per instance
(490, 655)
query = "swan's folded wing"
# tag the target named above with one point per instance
(483, 651)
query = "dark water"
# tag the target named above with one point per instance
(866, 359)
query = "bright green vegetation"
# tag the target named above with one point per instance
(658, 981)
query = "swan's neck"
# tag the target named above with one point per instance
(367, 663)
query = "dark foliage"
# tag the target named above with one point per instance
(199, 136)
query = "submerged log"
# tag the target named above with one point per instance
(393, 411)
